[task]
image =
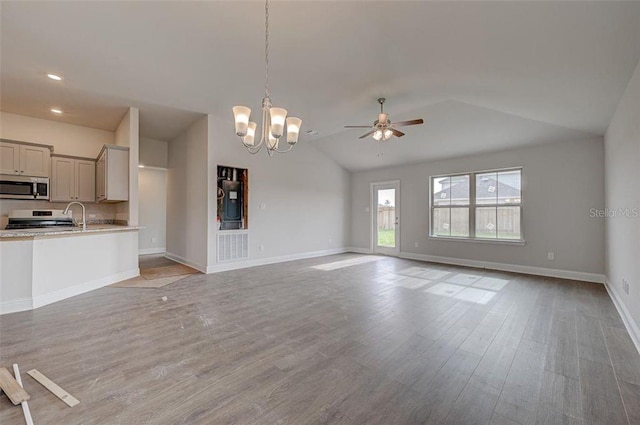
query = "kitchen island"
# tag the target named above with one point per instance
(42, 266)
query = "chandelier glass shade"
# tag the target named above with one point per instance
(274, 120)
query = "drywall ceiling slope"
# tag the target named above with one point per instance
(451, 129)
(565, 64)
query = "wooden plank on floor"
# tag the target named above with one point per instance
(53, 387)
(601, 399)
(475, 404)
(12, 388)
(624, 356)
(562, 355)
(591, 345)
(521, 391)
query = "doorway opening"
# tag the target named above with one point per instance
(386, 217)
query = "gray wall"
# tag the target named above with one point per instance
(561, 183)
(622, 166)
(305, 194)
(153, 153)
(187, 200)
(152, 194)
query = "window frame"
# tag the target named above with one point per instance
(473, 205)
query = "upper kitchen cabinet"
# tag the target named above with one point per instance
(24, 159)
(73, 179)
(112, 174)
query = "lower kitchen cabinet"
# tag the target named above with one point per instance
(73, 179)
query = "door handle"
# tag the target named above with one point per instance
(397, 221)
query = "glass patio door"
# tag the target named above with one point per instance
(386, 218)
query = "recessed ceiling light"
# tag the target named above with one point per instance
(54, 77)
(56, 110)
(141, 166)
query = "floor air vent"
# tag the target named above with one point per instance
(233, 246)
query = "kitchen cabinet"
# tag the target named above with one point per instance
(24, 159)
(73, 179)
(112, 174)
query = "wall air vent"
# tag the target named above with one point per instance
(233, 245)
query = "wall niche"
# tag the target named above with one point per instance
(233, 198)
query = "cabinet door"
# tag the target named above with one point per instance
(34, 161)
(9, 158)
(117, 175)
(63, 182)
(85, 180)
(101, 188)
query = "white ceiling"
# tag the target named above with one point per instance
(483, 75)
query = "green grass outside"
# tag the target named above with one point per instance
(387, 237)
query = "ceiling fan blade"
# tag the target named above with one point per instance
(410, 122)
(396, 133)
(366, 134)
(357, 126)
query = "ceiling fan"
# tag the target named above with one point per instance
(383, 128)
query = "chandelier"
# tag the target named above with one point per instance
(273, 119)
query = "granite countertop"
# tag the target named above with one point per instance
(65, 231)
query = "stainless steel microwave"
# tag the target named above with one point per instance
(21, 187)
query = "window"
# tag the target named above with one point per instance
(480, 205)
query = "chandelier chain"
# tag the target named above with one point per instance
(266, 48)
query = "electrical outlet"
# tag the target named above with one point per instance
(551, 255)
(154, 240)
(263, 206)
(417, 244)
(625, 286)
(329, 241)
(92, 216)
(261, 248)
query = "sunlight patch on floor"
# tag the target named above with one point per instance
(347, 263)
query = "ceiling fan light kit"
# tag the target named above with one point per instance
(383, 128)
(274, 120)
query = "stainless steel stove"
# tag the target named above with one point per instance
(34, 219)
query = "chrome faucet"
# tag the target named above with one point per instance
(84, 216)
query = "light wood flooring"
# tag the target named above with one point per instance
(345, 339)
(156, 271)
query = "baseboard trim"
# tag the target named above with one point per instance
(632, 327)
(515, 268)
(14, 306)
(82, 288)
(186, 262)
(25, 304)
(146, 251)
(235, 265)
(360, 250)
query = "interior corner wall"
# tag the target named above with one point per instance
(152, 237)
(127, 134)
(562, 182)
(622, 179)
(187, 197)
(298, 201)
(153, 153)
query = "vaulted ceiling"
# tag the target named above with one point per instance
(483, 75)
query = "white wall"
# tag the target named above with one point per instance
(622, 183)
(152, 196)
(127, 134)
(562, 182)
(306, 195)
(187, 196)
(153, 153)
(67, 139)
